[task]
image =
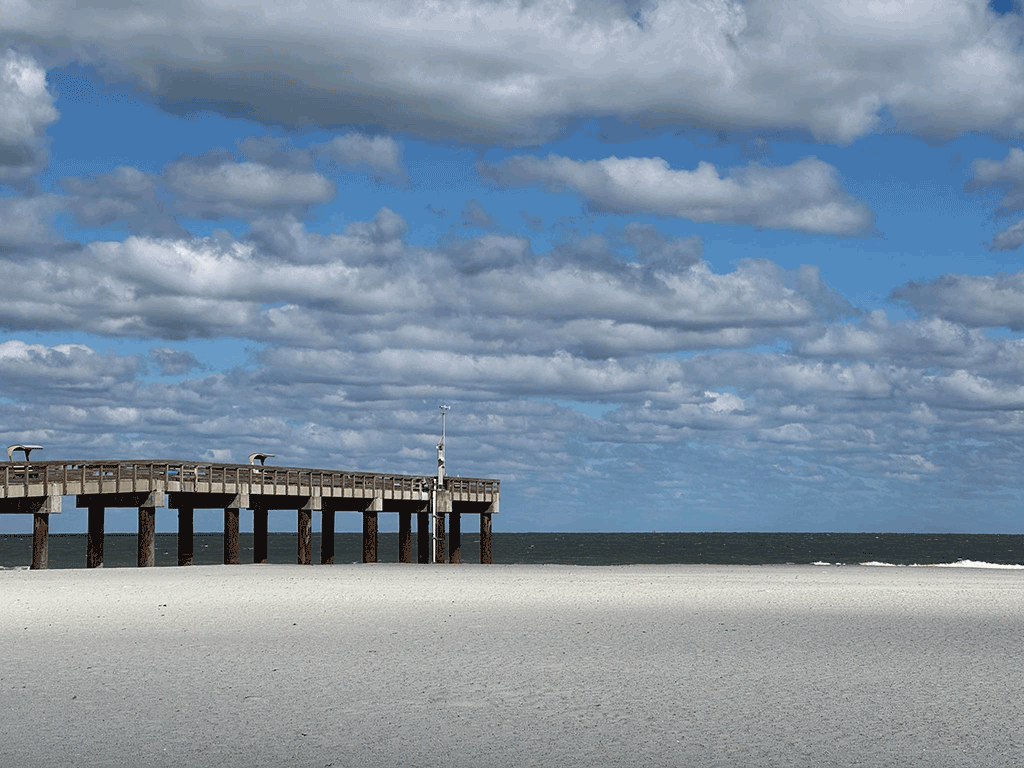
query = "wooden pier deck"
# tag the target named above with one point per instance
(39, 487)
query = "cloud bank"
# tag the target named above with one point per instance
(521, 72)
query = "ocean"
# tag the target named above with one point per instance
(993, 550)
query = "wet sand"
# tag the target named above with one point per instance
(389, 665)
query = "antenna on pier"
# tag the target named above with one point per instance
(438, 488)
(440, 446)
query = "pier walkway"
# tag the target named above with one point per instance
(39, 487)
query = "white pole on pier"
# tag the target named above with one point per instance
(438, 486)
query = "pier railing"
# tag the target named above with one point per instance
(57, 478)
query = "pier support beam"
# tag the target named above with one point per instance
(259, 535)
(442, 507)
(305, 526)
(147, 537)
(485, 538)
(423, 537)
(231, 535)
(327, 537)
(40, 507)
(439, 539)
(94, 540)
(455, 538)
(405, 537)
(186, 540)
(40, 541)
(370, 534)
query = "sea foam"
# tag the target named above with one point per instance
(957, 564)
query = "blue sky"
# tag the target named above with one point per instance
(675, 265)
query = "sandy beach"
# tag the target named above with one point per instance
(388, 665)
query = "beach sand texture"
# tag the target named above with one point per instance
(398, 665)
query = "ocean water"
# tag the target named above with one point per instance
(896, 549)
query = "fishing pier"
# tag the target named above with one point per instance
(437, 502)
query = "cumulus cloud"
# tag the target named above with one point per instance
(974, 300)
(520, 71)
(127, 196)
(660, 252)
(32, 369)
(806, 196)
(212, 188)
(368, 287)
(26, 109)
(175, 362)
(26, 224)
(272, 182)
(927, 341)
(1007, 175)
(1009, 239)
(381, 154)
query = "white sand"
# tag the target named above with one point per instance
(392, 665)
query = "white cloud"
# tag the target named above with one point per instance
(126, 196)
(806, 196)
(369, 290)
(1009, 239)
(30, 370)
(1007, 175)
(975, 300)
(26, 224)
(926, 341)
(382, 154)
(240, 189)
(26, 109)
(175, 362)
(520, 71)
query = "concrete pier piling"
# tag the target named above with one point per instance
(423, 537)
(259, 535)
(38, 488)
(186, 538)
(40, 541)
(94, 542)
(305, 526)
(327, 537)
(370, 536)
(454, 538)
(147, 537)
(231, 515)
(486, 556)
(405, 537)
